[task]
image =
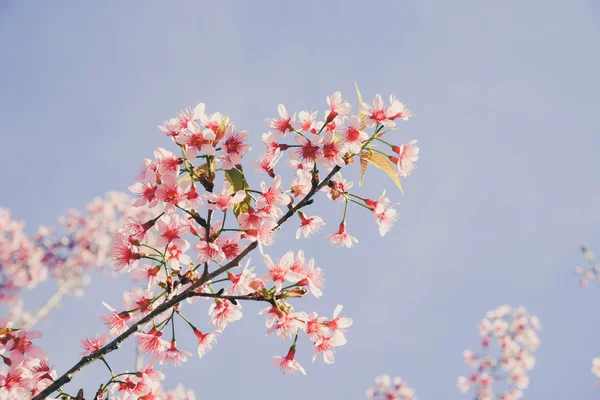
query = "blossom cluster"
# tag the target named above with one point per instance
(202, 217)
(388, 389)
(26, 371)
(590, 273)
(514, 332)
(66, 255)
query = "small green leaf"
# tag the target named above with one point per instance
(384, 164)
(221, 131)
(363, 117)
(363, 167)
(238, 182)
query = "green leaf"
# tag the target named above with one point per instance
(200, 171)
(4, 331)
(384, 164)
(383, 133)
(221, 130)
(363, 117)
(238, 182)
(363, 168)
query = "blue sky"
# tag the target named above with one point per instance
(506, 189)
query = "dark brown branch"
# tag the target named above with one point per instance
(167, 305)
(250, 297)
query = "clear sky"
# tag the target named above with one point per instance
(507, 187)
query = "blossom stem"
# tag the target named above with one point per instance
(112, 374)
(380, 152)
(224, 219)
(154, 259)
(355, 196)
(208, 162)
(361, 204)
(152, 248)
(186, 320)
(383, 141)
(345, 210)
(372, 137)
(172, 325)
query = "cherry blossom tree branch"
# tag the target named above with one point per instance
(251, 297)
(167, 305)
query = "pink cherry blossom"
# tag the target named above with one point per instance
(251, 219)
(341, 237)
(596, 367)
(197, 140)
(353, 136)
(116, 322)
(93, 343)
(288, 325)
(170, 192)
(171, 229)
(224, 200)
(272, 196)
(309, 151)
(515, 332)
(206, 341)
(230, 245)
(288, 364)
(151, 342)
(173, 356)
(264, 235)
(407, 156)
(332, 151)
(339, 324)
(385, 215)
(235, 146)
(302, 183)
(379, 113)
(283, 123)
(124, 253)
(338, 106)
(208, 251)
(241, 282)
(399, 110)
(281, 272)
(146, 192)
(327, 345)
(168, 163)
(306, 121)
(222, 312)
(386, 389)
(313, 277)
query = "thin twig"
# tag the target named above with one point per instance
(51, 304)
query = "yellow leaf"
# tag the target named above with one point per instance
(221, 131)
(363, 117)
(383, 133)
(202, 170)
(199, 171)
(363, 168)
(384, 164)
(184, 178)
(238, 182)
(4, 331)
